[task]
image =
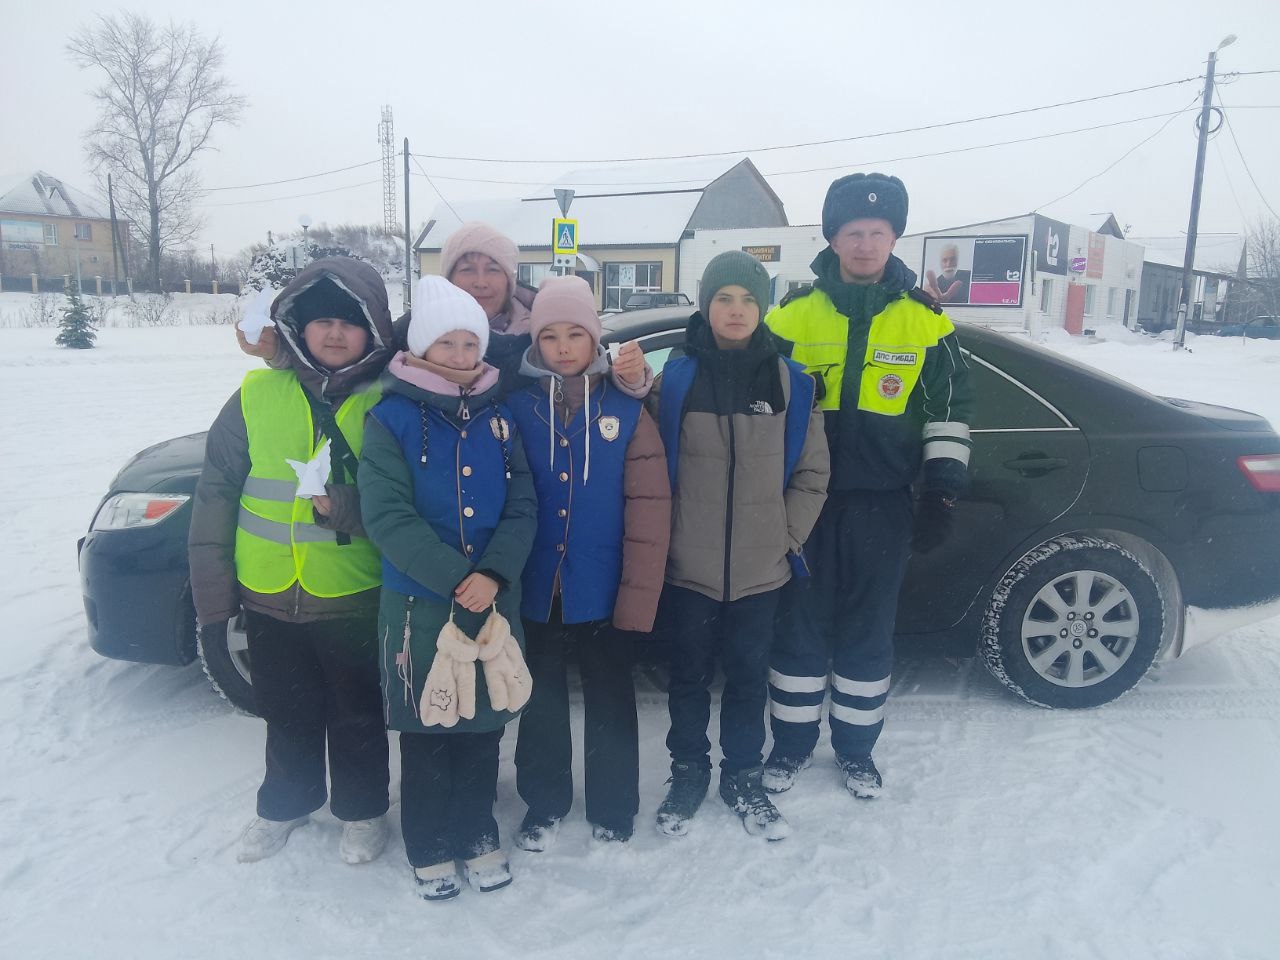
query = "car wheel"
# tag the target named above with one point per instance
(1076, 623)
(226, 664)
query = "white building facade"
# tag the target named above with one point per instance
(1027, 274)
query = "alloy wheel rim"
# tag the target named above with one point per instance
(1080, 629)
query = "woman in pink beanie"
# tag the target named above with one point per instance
(483, 261)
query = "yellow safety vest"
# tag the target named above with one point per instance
(278, 542)
(899, 339)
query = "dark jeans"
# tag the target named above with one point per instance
(448, 784)
(841, 620)
(312, 682)
(611, 752)
(741, 632)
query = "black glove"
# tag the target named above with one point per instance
(934, 517)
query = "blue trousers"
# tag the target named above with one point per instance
(740, 633)
(835, 628)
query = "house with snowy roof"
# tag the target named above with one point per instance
(632, 221)
(51, 229)
(1217, 266)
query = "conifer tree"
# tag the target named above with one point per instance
(77, 324)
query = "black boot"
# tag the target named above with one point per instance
(689, 783)
(861, 778)
(745, 794)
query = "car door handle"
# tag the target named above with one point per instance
(1033, 465)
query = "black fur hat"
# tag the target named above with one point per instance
(864, 195)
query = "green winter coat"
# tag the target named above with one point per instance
(410, 544)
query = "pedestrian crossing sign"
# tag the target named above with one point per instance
(564, 237)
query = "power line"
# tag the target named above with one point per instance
(442, 197)
(823, 143)
(275, 183)
(295, 196)
(840, 166)
(1232, 130)
(1125, 155)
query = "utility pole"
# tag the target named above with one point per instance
(115, 259)
(1189, 258)
(408, 244)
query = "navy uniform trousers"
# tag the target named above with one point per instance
(835, 628)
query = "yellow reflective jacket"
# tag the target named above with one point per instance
(906, 400)
(277, 540)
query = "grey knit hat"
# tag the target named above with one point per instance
(734, 267)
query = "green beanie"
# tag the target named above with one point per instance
(734, 267)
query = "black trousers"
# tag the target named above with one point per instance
(317, 682)
(448, 785)
(835, 629)
(741, 632)
(611, 750)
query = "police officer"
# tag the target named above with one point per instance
(895, 393)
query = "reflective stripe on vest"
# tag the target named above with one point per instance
(277, 540)
(898, 341)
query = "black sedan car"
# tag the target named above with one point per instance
(1104, 527)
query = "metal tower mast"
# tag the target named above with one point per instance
(386, 138)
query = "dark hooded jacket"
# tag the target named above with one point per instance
(215, 589)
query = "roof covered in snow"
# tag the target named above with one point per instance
(648, 204)
(43, 195)
(1215, 252)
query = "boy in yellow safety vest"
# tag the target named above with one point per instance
(276, 533)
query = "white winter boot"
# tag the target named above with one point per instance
(363, 840)
(489, 871)
(438, 882)
(264, 838)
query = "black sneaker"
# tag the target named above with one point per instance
(744, 792)
(780, 772)
(537, 834)
(689, 783)
(861, 778)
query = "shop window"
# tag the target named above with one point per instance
(623, 279)
(1112, 301)
(1090, 298)
(532, 274)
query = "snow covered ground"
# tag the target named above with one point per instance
(1146, 828)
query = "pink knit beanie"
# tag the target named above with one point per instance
(481, 238)
(565, 299)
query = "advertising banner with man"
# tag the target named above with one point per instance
(975, 271)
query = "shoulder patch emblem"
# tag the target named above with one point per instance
(890, 386)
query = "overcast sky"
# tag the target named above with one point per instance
(570, 82)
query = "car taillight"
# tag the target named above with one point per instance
(1263, 471)
(127, 510)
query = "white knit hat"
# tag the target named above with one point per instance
(439, 308)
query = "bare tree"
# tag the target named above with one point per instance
(1262, 248)
(162, 96)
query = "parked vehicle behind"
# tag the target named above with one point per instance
(1104, 528)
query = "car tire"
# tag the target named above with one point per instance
(1076, 623)
(226, 663)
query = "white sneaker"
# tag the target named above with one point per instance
(440, 882)
(264, 838)
(488, 872)
(363, 840)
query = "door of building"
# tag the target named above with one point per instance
(1074, 321)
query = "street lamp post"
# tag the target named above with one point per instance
(1188, 260)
